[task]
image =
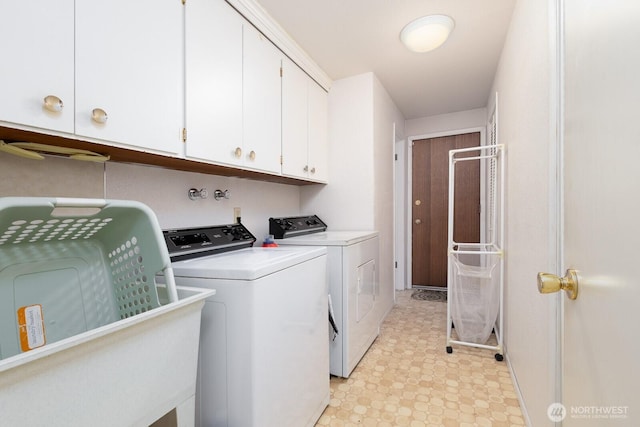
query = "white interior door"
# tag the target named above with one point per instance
(601, 212)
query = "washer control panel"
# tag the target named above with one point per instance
(281, 228)
(195, 242)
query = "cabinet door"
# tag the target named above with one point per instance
(295, 115)
(318, 131)
(129, 64)
(213, 81)
(37, 51)
(261, 102)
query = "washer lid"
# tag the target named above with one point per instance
(245, 264)
(329, 238)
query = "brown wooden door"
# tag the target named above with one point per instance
(430, 189)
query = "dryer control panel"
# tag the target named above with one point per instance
(188, 243)
(282, 228)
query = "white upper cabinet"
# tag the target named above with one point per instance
(233, 89)
(318, 133)
(37, 51)
(304, 125)
(214, 82)
(129, 72)
(295, 117)
(195, 81)
(261, 102)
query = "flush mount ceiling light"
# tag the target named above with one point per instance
(426, 33)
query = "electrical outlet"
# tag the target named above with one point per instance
(236, 215)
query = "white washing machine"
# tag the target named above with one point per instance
(264, 340)
(352, 263)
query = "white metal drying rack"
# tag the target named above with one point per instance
(493, 156)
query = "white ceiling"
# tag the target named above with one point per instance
(350, 37)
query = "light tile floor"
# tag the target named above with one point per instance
(407, 378)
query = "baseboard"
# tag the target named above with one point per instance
(516, 387)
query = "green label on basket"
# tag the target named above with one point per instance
(31, 326)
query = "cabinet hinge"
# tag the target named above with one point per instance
(184, 134)
(395, 157)
(184, 2)
(281, 161)
(280, 71)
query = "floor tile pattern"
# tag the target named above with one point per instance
(407, 378)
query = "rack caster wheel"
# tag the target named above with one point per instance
(499, 357)
(449, 349)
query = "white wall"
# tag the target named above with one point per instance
(164, 190)
(385, 114)
(446, 122)
(359, 195)
(51, 177)
(346, 203)
(527, 125)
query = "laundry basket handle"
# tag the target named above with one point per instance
(69, 202)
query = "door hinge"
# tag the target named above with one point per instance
(281, 161)
(184, 134)
(395, 156)
(396, 263)
(280, 71)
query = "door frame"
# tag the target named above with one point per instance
(556, 187)
(399, 198)
(409, 190)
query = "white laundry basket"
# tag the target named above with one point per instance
(84, 336)
(474, 296)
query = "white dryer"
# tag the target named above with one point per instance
(264, 340)
(352, 263)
